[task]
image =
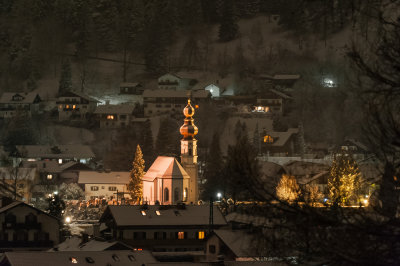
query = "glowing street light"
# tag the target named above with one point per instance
(68, 219)
(219, 196)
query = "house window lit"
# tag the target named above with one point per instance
(49, 177)
(158, 213)
(110, 117)
(185, 192)
(181, 235)
(60, 161)
(201, 235)
(73, 260)
(60, 106)
(67, 106)
(268, 139)
(143, 213)
(73, 106)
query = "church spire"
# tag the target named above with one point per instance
(188, 129)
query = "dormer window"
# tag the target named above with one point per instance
(17, 98)
(268, 139)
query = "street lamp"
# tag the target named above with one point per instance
(219, 196)
(68, 219)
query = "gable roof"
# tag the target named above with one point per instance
(27, 97)
(78, 94)
(20, 203)
(114, 109)
(131, 215)
(129, 84)
(176, 93)
(165, 167)
(280, 138)
(36, 258)
(45, 151)
(74, 243)
(241, 243)
(94, 177)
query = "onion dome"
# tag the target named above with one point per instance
(188, 129)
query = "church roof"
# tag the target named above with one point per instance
(165, 167)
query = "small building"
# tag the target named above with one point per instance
(166, 182)
(275, 143)
(104, 185)
(134, 88)
(161, 228)
(165, 101)
(25, 103)
(114, 116)
(172, 81)
(26, 227)
(75, 106)
(271, 102)
(59, 153)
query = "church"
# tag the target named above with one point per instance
(169, 182)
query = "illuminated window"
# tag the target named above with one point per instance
(60, 161)
(67, 106)
(73, 106)
(268, 139)
(110, 117)
(60, 106)
(73, 260)
(201, 235)
(49, 177)
(181, 235)
(143, 213)
(196, 106)
(185, 192)
(158, 213)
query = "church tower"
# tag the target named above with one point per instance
(189, 152)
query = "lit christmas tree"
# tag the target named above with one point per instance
(344, 179)
(288, 189)
(135, 186)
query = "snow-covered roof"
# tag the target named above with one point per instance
(95, 177)
(280, 138)
(78, 94)
(114, 109)
(189, 215)
(301, 168)
(26, 97)
(112, 257)
(306, 179)
(129, 84)
(165, 167)
(241, 243)
(44, 166)
(74, 243)
(176, 93)
(47, 151)
(286, 76)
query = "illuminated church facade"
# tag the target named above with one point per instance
(169, 182)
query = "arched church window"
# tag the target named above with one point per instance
(176, 194)
(185, 194)
(166, 194)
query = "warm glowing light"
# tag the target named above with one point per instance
(74, 260)
(196, 106)
(68, 219)
(55, 192)
(143, 213)
(60, 161)
(110, 117)
(219, 195)
(158, 213)
(73, 106)
(49, 177)
(201, 235)
(181, 235)
(67, 106)
(268, 139)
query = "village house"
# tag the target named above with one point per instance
(282, 82)
(161, 227)
(75, 106)
(104, 185)
(59, 153)
(271, 102)
(12, 103)
(26, 227)
(164, 101)
(171, 81)
(273, 143)
(114, 116)
(133, 88)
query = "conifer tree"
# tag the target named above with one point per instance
(135, 186)
(288, 189)
(56, 206)
(344, 179)
(212, 172)
(65, 83)
(228, 29)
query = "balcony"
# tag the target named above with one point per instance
(19, 226)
